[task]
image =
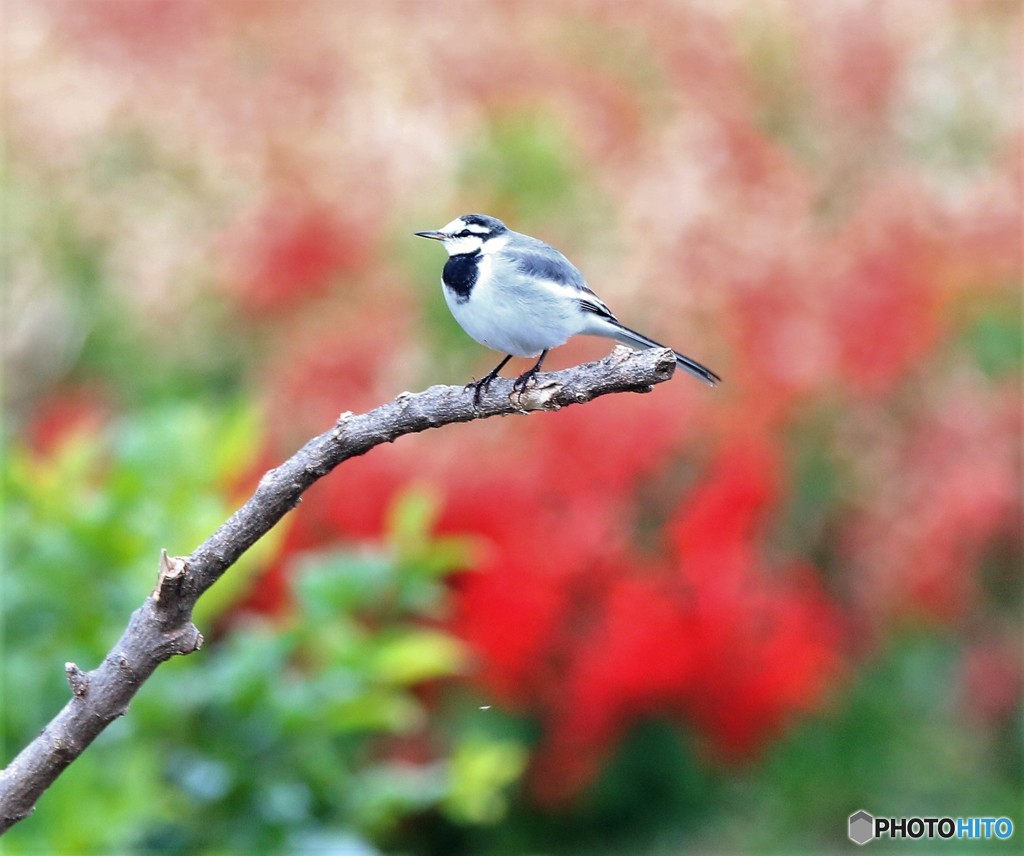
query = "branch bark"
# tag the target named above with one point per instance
(162, 627)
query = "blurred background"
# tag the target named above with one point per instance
(690, 621)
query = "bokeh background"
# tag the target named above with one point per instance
(695, 620)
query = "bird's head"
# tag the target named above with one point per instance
(469, 233)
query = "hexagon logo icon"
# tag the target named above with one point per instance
(862, 827)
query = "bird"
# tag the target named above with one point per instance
(522, 297)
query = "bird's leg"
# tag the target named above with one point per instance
(479, 386)
(519, 384)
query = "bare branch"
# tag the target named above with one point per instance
(162, 626)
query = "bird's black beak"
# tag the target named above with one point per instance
(433, 235)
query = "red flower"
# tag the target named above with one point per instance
(65, 413)
(885, 307)
(720, 519)
(288, 251)
(593, 641)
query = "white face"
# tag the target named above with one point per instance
(463, 237)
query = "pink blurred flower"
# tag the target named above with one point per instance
(991, 681)
(916, 541)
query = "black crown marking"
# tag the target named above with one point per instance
(493, 225)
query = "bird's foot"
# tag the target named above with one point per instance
(479, 387)
(520, 383)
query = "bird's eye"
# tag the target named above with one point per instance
(465, 233)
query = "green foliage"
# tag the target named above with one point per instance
(481, 768)
(273, 736)
(84, 525)
(994, 337)
(892, 745)
(654, 787)
(527, 162)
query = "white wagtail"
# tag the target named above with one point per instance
(518, 295)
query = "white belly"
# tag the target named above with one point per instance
(522, 319)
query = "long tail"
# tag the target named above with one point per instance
(636, 340)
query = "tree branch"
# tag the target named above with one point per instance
(162, 626)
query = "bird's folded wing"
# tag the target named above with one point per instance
(549, 264)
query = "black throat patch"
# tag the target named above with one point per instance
(460, 274)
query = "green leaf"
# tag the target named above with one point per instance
(411, 518)
(480, 770)
(334, 582)
(995, 339)
(419, 655)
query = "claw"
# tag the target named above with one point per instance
(482, 385)
(478, 387)
(520, 383)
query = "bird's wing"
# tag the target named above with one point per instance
(594, 304)
(547, 263)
